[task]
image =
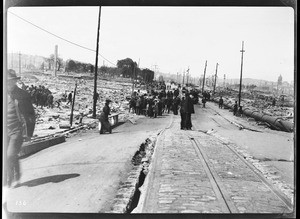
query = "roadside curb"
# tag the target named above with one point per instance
(127, 191)
(34, 147)
(144, 189)
(149, 178)
(30, 148)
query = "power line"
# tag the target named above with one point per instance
(83, 47)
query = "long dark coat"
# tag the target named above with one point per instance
(104, 118)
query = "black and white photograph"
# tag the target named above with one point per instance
(161, 109)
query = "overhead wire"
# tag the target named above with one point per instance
(76, 44)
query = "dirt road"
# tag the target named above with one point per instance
(81, 175)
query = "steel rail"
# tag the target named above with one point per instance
(215, 180)
(227, 199)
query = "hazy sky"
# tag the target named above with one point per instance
(173, 38)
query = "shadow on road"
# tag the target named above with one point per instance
(48, 179)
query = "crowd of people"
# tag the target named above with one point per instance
(155, 103)
(40, 95)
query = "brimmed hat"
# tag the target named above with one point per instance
(12, 75)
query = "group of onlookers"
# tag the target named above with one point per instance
(154, 104)
(40, 95)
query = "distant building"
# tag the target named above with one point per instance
(286, 88)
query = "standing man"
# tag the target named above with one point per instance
(182, 114)
(189, 109)
(105, 125)
(20, 124)
(150, 106)
(203, 101)
(70, 98)
(132, 104)
(169, 102)
(273, 101)
(176, 103)
(50, 101)
(221, 103)
(138, 105)
(159, 106)
(235, 108)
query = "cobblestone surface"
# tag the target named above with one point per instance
(182, 183)
(245, 188)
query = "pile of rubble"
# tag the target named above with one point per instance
(49, 120)
(264, 107)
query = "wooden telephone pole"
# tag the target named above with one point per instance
(215, 78)
(133, 77)
(55, 61)
(96, 66)
(204, 77)
(19, 63)
(240, 90)
(187, 76)
(73, 103)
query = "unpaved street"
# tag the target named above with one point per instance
(83, 174)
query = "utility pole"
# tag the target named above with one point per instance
(204, 77)
(34, 62)
(19, 63)
(55, 61)
(183, 78)
(73, 103)
(187, 75)
(133, 76)
(12, 60)
(96, 66)
(215, 78)
(240, 90)
(224, 81)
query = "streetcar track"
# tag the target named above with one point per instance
(225, 196)
(214, 180)
(212, 174)
(226, 206)
(234, 123)
(262, 178)
(218, 182)
(276, 191)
